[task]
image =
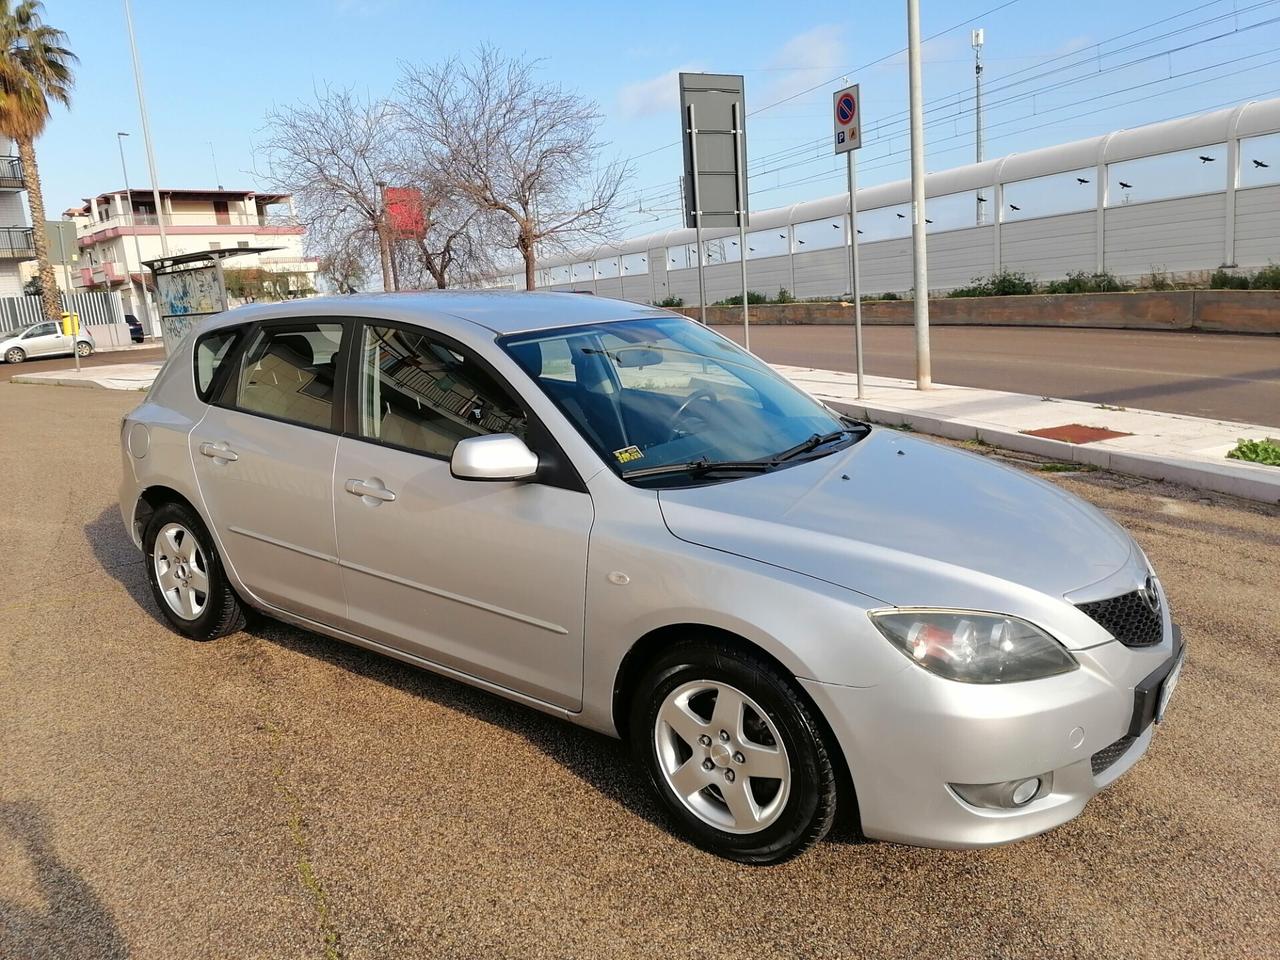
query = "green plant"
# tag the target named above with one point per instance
(752, 298)
(1257, 451)
(1157, 279)
(1004, 283)
(784, 296)
(890, 295)
(672, 302)
(1082, 282)
(1222, 279)
(1268, 278)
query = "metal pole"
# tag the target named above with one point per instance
(978, 37)
(854, 284)
(697, 216)
(738, 134)
(146, 131)
(153, 318)
(924, 373)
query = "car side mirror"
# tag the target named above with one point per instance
(498, 456)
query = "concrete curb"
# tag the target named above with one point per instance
(1251, 481)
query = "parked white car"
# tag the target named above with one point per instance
(44, 340)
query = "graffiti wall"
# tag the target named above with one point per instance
(184, 297)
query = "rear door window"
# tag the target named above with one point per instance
(288, 372)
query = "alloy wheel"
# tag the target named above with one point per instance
(83, 349)
(181, 571)
(722, 756)
(15, 356)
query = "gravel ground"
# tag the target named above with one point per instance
(277, 794)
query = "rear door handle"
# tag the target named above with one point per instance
(219, 451)
(373, 489)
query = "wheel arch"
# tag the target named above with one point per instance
(152, 499)
(648, 647)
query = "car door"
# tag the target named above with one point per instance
(487, 578)
(264, 455)
(42, 340)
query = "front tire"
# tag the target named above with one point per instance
(84, 348)
(186, 575)
(734, 752)
(15, 355)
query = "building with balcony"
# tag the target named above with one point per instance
(16, 244)
(118, 231)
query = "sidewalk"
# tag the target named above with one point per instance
(1143, 443)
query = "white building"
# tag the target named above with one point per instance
(112, 229)
(15, 236)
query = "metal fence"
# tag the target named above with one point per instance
(94, 309)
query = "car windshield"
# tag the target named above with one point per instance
(666, 392)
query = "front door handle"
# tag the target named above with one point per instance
(219, 451)
(373, 489)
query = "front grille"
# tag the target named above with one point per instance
(1109, 755)
(1129, 618)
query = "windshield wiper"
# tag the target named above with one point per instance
(701, 467)
(813, 443)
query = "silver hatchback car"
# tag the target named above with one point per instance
(613, 514)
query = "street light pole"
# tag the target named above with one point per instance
(977, 38)
(152, 319)
(146, 131)
(924, 374)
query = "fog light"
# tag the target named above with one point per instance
(1024, 791)
(1005, 795)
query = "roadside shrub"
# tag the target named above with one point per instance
(1257, 451)
(1268, 278)
(887, 295)
(752, 298)
(1006, 283)
(784, 296)
(1222, 279)
(1082, 282)
(1157, 279)
(672, 302)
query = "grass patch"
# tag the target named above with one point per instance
(1055, 467)
(1257, 451)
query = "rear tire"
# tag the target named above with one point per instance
(186, 575)
(15, 355)
(734, 752)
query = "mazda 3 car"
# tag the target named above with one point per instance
(613, 514)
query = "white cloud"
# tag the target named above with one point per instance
(807, 58)
(655, 95)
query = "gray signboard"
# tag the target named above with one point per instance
(714, 118)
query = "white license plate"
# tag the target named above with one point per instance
(1167, 688)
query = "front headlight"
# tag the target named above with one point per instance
(974, 647)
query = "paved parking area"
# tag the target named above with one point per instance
(277, 794)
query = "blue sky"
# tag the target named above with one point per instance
(212, 70)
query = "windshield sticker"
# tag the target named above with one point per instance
(628, 454)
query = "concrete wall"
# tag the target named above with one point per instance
(1234, 311)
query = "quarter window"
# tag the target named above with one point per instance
(421, 394)
(288, 372)
(211, 350)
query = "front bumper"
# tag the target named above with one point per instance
(908, 739)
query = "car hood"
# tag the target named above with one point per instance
(909, 523)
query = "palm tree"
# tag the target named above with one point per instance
(35, 68)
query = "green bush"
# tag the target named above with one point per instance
(1222, 279)
(889, 295)
(784, 296)
(672, 302)
(1257, 451)
(1082, 282)
(1006, 283)
(752, 298)
(1268, 278)
(1157, 279)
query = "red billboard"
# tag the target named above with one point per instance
(406, 216)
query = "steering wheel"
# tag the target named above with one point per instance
(703, 393)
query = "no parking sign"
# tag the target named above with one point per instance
(847, 114)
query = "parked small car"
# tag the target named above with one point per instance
(613, 514)
(135, 328)
(43, 340)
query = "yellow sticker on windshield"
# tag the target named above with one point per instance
(628, 454)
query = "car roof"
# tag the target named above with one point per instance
(500, 311)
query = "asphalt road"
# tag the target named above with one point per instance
(36, 364)
(1223, 376)
(276, 794)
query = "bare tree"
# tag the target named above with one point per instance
(523, 150)
(335, 153)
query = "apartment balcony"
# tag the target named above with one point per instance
(189, 224)
(16, 243)
(11, 177)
